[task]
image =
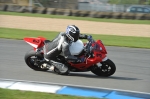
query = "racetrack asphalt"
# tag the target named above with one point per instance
(133, 68)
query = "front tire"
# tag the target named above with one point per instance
(31, 59)
(108, 68)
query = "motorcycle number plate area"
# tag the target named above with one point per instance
(35, 42)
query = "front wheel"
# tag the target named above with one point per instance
(108, 68)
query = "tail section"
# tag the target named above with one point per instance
(35, 42)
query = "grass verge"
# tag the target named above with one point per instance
(126, 21)
(16, 94)
(109, 40)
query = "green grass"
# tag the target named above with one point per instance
(16, 94)
(21, 33)
(125, 21)
(109, 40)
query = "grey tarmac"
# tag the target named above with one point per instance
(133, 68)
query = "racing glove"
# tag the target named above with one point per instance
(89, 38)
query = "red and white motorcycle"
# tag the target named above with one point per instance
(94, 53)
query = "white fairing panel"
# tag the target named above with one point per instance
(76, 47)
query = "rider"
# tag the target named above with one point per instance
(61, 44)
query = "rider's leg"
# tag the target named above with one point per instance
(50, 56)
(62, 68)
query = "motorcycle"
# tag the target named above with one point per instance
(93, 52)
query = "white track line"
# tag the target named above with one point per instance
(62, 84)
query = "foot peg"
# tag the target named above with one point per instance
(47, 66)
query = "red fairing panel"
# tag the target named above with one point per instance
(102, 46)
(35, 42)
(99, 54)
(98, 57)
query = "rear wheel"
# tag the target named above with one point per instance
(108, 68)
(34, 61)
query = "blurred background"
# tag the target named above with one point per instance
(139, 6)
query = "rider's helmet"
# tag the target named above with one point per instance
(72, 32)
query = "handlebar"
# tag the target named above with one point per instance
(88, 47)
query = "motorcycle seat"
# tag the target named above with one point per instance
(47, 41)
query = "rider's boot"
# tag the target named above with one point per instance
(62, 68)
(48, 66)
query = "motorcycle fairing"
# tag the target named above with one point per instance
(99, 42)
(98, 57)
(99, 54)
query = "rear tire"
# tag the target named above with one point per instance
(31, 58)
(108, 68)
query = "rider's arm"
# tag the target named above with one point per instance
(83, 36)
